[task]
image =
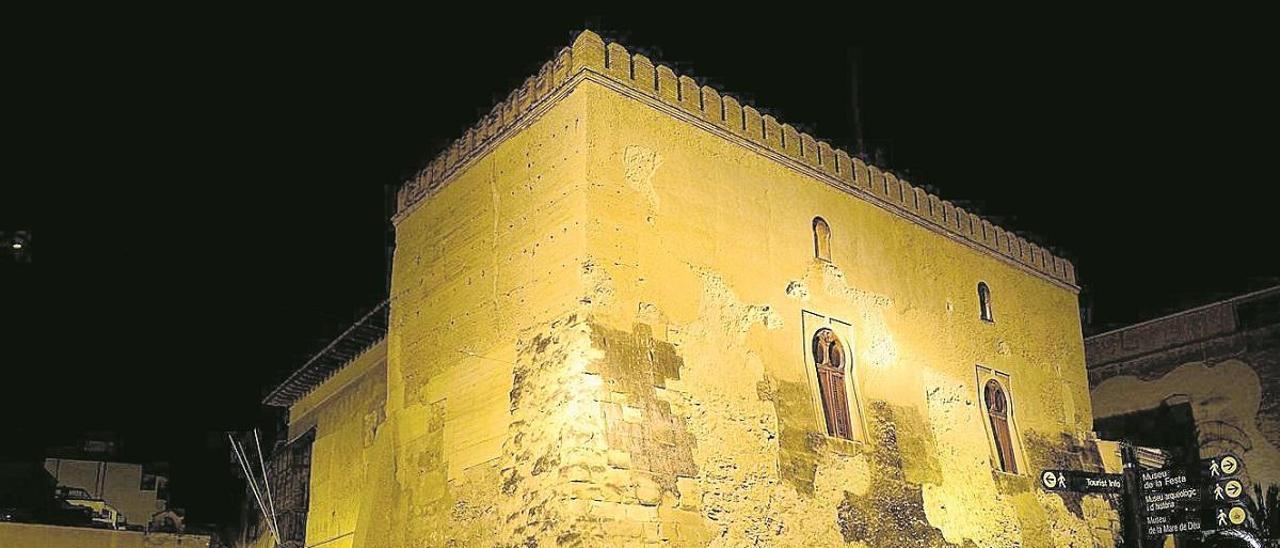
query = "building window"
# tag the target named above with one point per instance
(291, 483)
(984, 302)
(821, 239)
(997, 404)
(829, 357)
(828, 352)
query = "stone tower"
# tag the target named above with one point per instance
(628, 309)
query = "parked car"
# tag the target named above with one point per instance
(103, 515)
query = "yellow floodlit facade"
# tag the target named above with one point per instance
(626, 310)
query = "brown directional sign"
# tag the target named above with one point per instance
(1156, 526)
(1170, 501)
(1165, 479)
(1054, 480)
(1232, 516)
(1221, 467)
(1225, 517)
(1223, 490)
(1175, 500)
(1226, 491)
(1084, 482)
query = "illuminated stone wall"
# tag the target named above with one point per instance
(484, 344)
(704, 271)
(601, 301)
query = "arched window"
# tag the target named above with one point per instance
(829, 356)
(997, 403)
(984, 302)
(821, 239)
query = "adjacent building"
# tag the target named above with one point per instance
(626, 308)
(82, 502)
(1197, 383)
(323, 467)
(137, 491)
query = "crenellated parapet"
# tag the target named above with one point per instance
(590, 57)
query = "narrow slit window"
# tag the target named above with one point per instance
(829, 358)
(984, 302)
(997, 403)
(821, 239)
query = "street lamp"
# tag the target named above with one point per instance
(18, 244)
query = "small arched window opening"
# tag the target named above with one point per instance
(829, 357)
(984, 302)
(821, 239)
(997, 403)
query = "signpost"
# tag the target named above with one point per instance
(1168, 500)
(1223, 491)
(1220, 467)
(1228, 490)
(1085, 482)
(1182, 501)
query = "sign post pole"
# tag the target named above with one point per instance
(1173, 500)
(1134, 536)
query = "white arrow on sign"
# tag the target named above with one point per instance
(1230, 465)
(1049, 480)
(1233, 489)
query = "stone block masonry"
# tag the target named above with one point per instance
(589, 54)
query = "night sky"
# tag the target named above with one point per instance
(207, 191)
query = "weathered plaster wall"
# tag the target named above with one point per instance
(702, 253)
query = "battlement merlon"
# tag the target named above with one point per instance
(681, 96)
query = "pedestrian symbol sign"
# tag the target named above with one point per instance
(1221, 467)
(1231, 516)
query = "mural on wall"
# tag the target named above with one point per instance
(1224, 398)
